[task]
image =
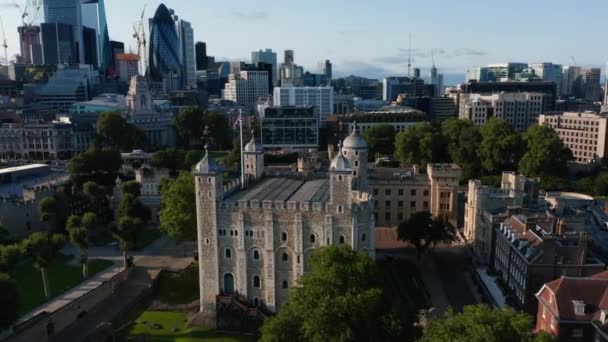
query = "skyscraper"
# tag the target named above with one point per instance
(29, 39)
(58, 45)
(94, 16)
(188, 58)
(266, 56)
(164, 49)
(201, 56)
(66, 12)
(327, 71)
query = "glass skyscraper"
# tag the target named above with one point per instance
(164, 49)
(94, 16)
(64, 12)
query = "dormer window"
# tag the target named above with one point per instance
(579, 307)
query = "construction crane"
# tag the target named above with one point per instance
(573, 60)
(4, 42)
(139, 33)
(23, 11)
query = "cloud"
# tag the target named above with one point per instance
(8, 4)
(250, 15)
(468, 52)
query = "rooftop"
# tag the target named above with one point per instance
(285, 190)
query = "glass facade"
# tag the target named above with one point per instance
(58, 44)
(284, 127)
(164, 53)
(65, 12)
(94, 16)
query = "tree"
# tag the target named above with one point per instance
(9, 301)
(178, 215)
(43, 248)
(481, 323)
(79, 230)
(10, 255)
(99, 166)
(339, 299)
(422, 231)
(546, 154)
(114, 132)
(54, 211)
(131, 206)
(463, 139)
(233, 159)
(500, 148)
(96, 194)
(189, 125)
(132, 188)
(418, 144)
(125, 232)
(192, 123)
(168, 158)
(5, 236)
(381, 140)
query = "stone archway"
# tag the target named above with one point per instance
(228, 284)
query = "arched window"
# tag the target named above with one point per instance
(256, 254)
(256, 282)
(228, 253)
(313, 238)
(285, 257)
(285, 284)
(283, 236)
(228, 283)
(341, 238)
(363, 237)
(256, 301)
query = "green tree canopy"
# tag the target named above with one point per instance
(480, 323)
(132, 188)
(381, 140)
(9, 301)
(54, 210)
(97, 166)
(339, 299)
(500, 148)
(10, 255)
(130, 206)
(114, 132)
(43, 248)
(463, 139)
(178, 215)
(418, 144)
(546, 154)
(125, 231)
(422, 231)
(192, 123)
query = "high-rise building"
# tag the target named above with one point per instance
(89, 42)
(520, 110)
(569, 76)
(188, 58)
(588, 85)
(288, 57)
(547, 88)
(94, 16)
(290, 74)
(58, 45)
(201, 56)
(29, 39)
(549, 72)
(116, 48)
(327, 71)
(164, 50)
(393, 86)
(266, 56)
(127, 66)
(246, 87)
(322, 98)
(496, 72)
(66, 12)
(436, 80)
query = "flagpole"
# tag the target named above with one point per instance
(241, 142)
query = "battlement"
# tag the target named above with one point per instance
(232, 187)
(443, 170)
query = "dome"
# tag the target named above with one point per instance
(354, 140)
(253, 146)
(339, 163)
(207, 165)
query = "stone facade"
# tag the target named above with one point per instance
(256, 240)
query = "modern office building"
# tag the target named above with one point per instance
(67, 86)
(66, 12)
(246, 87)
(127, 66)
(587, 85)
(400, 118)
(438, 109)
(164, 63)
(94, 16)
(266, 56)
(89, 41)
(99, 104)
(290, 74)
(188, 55)
(200, 49)
(487, 88)
(322, 98)
(327, 71)
(31, 48)
(496, 72)
(58, 45)
(392, 87)
(549, 72)
(521, 110)
(115, 48)
(290, 128)
(585, 134)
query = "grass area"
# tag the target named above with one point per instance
(146, 237)
(155, 326)
(179, 287)
(62, 277)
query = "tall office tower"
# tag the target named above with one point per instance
(94, 16)
(549, 72)
(569, 76)
(322, 98)
(188, 57)
(288, 57)
(66, 12)
(29, 39)
(392, 87)
(269, 57)
(164, 50)
(58, 45)
(436, 80)
(521, 110)
(127, 66)
(587, 86)
(116, 48)
(89, 42)
(201, 56)
(327, 71)
(416, 72)
(246, 87)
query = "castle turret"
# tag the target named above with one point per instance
(209, 194)
(340, 182)
(355, 149)
(253, 153)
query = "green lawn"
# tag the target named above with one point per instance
(179, 287)
(155, 326)
(62, 277)
(144, 238)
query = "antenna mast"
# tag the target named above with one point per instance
(409, 56)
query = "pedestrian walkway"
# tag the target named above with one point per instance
(490, 287)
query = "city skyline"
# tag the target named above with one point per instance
(347, 32)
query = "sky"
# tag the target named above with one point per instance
(370, 37)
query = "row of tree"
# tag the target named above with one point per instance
(480, 151)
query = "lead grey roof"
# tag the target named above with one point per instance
(207, 165)
(285, 190)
